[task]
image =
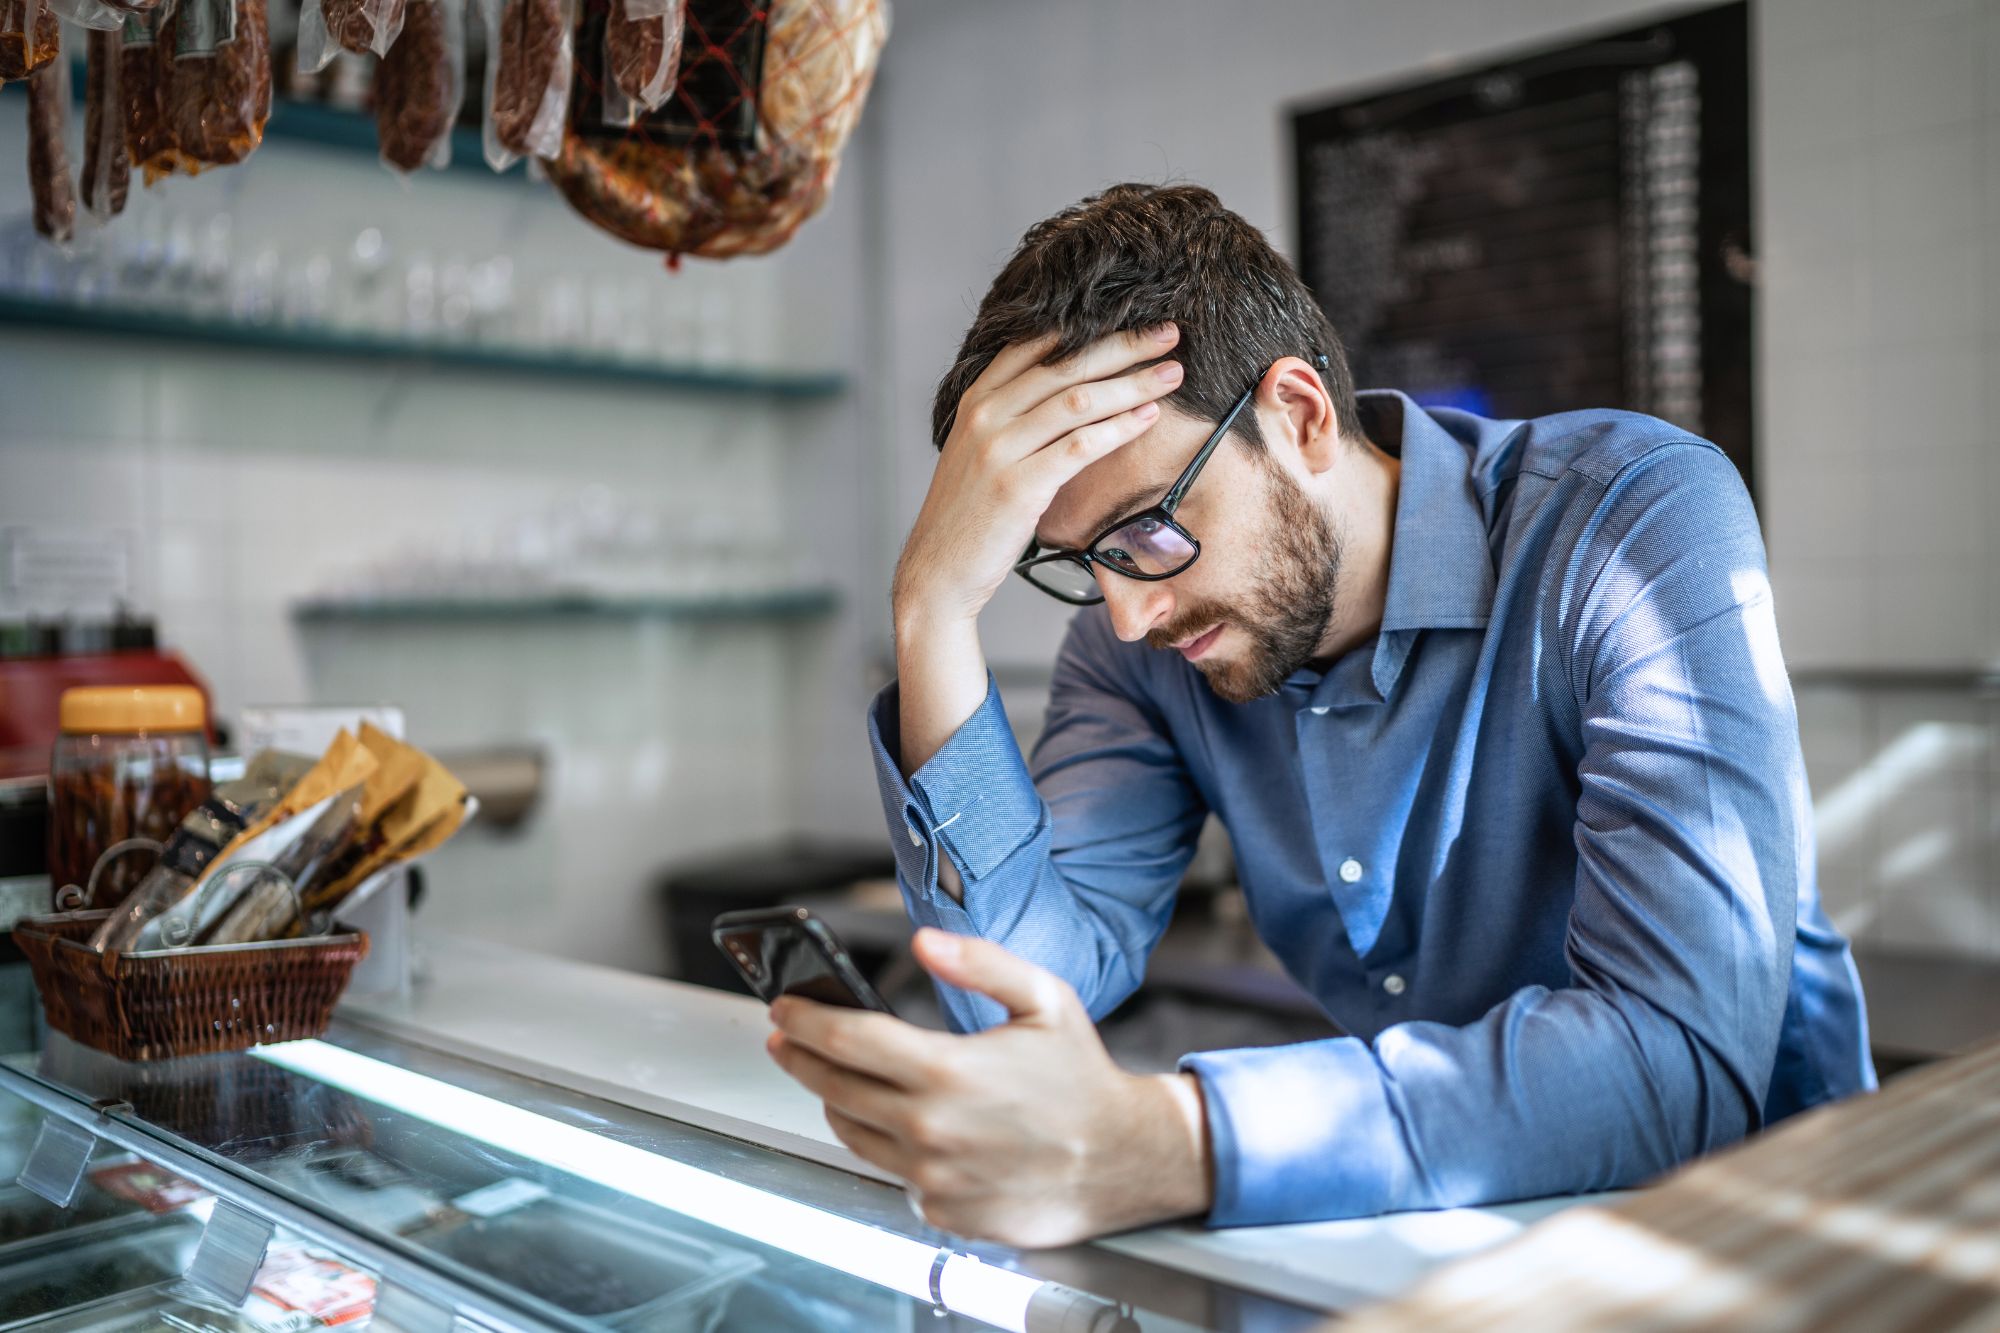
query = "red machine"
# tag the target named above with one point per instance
(31, 686)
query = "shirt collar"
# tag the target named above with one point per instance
(1440, 560)
(1441, 563)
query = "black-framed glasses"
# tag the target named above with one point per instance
(1149, 545)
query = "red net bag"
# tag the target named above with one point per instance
(746, 147)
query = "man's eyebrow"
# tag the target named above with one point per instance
(1126, 505)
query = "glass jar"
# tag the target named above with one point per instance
(131, 761)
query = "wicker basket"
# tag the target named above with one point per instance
(160, 1003)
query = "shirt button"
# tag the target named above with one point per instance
(1350, 870)
(1394, 984)
(916, 839)
(1320, 711)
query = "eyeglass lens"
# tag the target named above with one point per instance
(1065, 578)
(1149, 546)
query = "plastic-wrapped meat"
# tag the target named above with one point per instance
(30, 36)
(527, 92)
(717, 196)
(218, 102)
(145, 67)
(364, 26)
(107, 169)
(417, 88)
(48, 151)
(642, 48)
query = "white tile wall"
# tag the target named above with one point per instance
(1906, 787)
(248, 481)
(1881, 340)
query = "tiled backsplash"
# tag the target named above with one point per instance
(243, 481)
(1906, 795)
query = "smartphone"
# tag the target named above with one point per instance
(789, 951)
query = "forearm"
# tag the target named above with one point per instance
(942, 672)
(1079, 879)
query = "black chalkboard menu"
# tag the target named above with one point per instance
(1568, 228)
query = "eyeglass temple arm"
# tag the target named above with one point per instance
(1173, 498)
(1321, 361)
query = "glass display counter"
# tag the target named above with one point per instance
(363, 1180)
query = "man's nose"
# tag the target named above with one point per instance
(1136, 605)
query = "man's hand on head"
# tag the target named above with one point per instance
(1021, 431)
(1027, 1133)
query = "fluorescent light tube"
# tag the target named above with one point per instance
(979, 1291)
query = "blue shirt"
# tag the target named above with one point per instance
(1543, 846)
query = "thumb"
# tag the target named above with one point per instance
(970, 963)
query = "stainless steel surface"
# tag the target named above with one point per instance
(507, 780)
(158, 1309)
(594, 1263)
(491, 1308)
(1969, 680)
(318, 1134)
(143, 1251)
(31, 1225)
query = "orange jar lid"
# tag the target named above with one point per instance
(89, 709)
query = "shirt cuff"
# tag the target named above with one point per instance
(1300, 1133)
(974, 796)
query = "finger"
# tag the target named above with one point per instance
(1010, 362)
(870, 1144)
(854, 1095)
(1047, 470)
(1110, 355)
(970, 963)
(879, 1045)
(1085, 404)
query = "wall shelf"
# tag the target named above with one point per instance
(278, 339)
(781, 604)
(336, 127)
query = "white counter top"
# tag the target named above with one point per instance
(697, 1055)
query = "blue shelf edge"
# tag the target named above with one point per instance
(333, 127)
(793, 604)
(18, 313)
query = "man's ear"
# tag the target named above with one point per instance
(1292, 398)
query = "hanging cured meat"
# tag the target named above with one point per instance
(48, 155)
(107, 167)
(747, 146)
(29, 37)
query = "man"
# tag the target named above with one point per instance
(1493, 711)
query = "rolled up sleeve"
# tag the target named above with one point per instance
(1072, 865)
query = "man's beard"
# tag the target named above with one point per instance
(1288, 610)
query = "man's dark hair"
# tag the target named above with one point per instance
(1138, 255)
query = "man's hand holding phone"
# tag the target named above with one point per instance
(1027, 1133)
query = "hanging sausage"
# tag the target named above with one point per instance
(48, 149)
(107, 167)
